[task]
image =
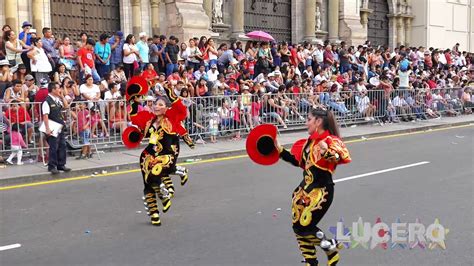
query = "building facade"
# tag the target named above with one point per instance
(383, 22)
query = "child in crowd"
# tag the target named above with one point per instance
(97, 121)
(214, 127)
(17, 143)
(84, 129)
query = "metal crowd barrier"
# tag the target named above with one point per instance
(101, 123)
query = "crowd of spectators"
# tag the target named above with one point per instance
(228, 85)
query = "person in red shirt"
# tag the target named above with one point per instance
(150, 74)
(174, 78)
(233, 86)
(447, 55)
(201, 88)
(85, 60)
(17, 114)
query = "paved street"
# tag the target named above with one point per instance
(227, 213)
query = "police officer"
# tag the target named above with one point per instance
(52, 109)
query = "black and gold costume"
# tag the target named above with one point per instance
(158, 159)
(312, 198)
(156, 163)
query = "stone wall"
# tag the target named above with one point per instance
(443, 23)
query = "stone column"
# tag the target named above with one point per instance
(333, 26)
(11, 14)
(186, 19)
(38, 12)
(400, 31)
(310, 20)
(364, 18)
(155, 17)
(238, 19)
(136, 17)
(207, 5)
(408, 30)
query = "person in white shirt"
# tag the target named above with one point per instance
(200, 73)
(113, 93)
(212, 74)
(360, 86)
(404, 77)
(402, 107)
(365, 107)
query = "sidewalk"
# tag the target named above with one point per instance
(128, 159)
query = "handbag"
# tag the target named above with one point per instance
(135, 65)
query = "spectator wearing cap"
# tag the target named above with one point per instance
(30, 88)
(40, 65)
(212, 74)
(15, 93)
(85, 60)
(171, 55)
(116, 46)
(144, 50)
(49, 45)
(103, 53)
(25, 35)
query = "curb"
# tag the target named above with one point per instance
(46, 176)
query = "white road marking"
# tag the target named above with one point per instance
(380, 171)
(10, 247)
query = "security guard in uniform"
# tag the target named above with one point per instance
(52, 109)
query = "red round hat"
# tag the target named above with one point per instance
(136, 86)
(260, 145)
(131, 137)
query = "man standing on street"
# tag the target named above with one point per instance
(52, 111)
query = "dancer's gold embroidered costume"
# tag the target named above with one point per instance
(158, 159)
(318, 156)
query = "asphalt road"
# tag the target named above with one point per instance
(228, 212)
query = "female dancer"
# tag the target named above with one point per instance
(318, 156)
(158, 159)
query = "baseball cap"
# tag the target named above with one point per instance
(44, 82)
(119, 33)
(29, 77)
